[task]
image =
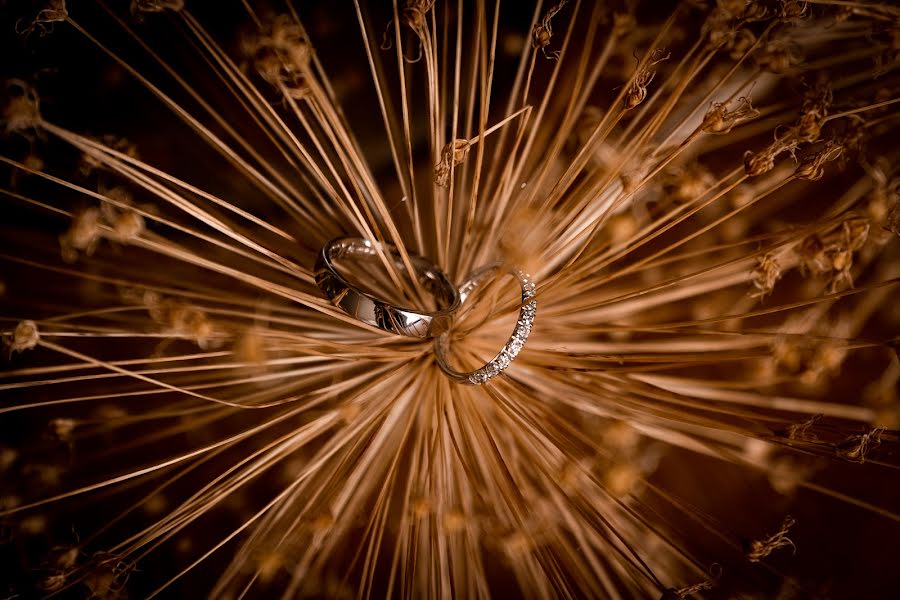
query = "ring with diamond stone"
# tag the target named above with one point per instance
(380, 313)
(516, 341)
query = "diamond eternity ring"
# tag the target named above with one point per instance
(516, 341)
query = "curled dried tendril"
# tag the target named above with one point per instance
(543, 31)
(760, 549)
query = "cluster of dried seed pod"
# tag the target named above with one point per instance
(830, 254)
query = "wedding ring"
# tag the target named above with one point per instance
(513, 346)
(380, 313)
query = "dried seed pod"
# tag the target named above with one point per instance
(543, 31)
(83, 235)
(281, 54)
(764, 276)
(21, 113)
(719, 119)
(25, 337)
(637, 91)
(452, 154)
(813, 167)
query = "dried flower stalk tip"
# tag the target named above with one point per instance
(760, 549)
(54, 11)
(857, 447)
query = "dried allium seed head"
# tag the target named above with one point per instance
(25, 337)
(21, 112)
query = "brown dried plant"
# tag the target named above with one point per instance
(185, 414)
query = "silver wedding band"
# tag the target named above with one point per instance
(380, 313)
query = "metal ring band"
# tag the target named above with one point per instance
(381, 314)
(513, 346)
